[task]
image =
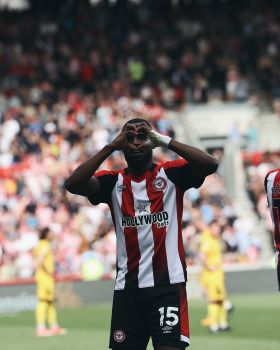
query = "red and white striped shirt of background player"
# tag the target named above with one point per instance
(147, 213)
(272, 187)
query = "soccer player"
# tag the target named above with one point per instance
(272, 188)
(45, 285)
(146, 202)
(212, 279)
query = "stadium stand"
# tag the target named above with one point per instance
(67, 86)
(257, 165)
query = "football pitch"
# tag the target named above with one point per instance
(255, 326)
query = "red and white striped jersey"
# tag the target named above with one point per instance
(147, 212)
(272, 188)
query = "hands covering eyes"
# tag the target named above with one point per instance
(140, 133)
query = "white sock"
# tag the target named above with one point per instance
(41, 326)
(214, 328)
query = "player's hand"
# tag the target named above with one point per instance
(158, 140)
(119, 142)
(213, 268)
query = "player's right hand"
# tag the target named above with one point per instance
(119, 142)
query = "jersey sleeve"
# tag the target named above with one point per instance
(107, 181)
(183, 174)
(265, 182)
(267, 176)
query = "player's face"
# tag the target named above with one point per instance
(215, 229)
(50, 236)
(137, 149)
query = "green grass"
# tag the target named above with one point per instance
(255, 323)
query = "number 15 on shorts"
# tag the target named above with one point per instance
(168, 315)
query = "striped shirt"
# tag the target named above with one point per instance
(147, 213)
(272, 188)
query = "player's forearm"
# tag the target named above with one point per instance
(204, 263)
(47, 271)
(202, 160)
(83, 173)
(41, 265)
(207, 266)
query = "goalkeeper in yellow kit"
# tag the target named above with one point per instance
(212, 279)
(45, 287)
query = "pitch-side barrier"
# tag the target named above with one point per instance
(16, 296)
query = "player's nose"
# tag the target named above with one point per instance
(136, 141)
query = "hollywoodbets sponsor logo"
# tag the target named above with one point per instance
(160, 219)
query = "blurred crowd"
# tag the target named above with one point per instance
(211, 203)
(44, 146)
(257, 165)
(39, 147)
(67, 86)
(168, 53)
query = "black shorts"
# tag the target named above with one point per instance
(157, 312)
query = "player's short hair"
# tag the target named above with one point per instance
(136, 121)
(43, 233)
(214, 222)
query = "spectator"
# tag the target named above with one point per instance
(64, 97)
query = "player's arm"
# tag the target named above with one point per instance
(278, 267)
(265, 188)
(273, 220)
(204, 262)
(200, 160)
(82, 181)
(265, 182)
(40, 261)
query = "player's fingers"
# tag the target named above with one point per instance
(145, 129)
(129, 127)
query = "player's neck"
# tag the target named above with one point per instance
(140, 168)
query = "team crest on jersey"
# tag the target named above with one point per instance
(119, 336)
(142, 207)
(159, 183)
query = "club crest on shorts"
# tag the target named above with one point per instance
(159, 184)
(119, 336)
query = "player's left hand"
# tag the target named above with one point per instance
(119, 142)
(153, 138)
(158, 140)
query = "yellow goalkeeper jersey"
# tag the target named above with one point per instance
(211, 248)
(43, 253)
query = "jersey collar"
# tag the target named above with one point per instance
(142, 176)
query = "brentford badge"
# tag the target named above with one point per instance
(159, 184)
(119, 336)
